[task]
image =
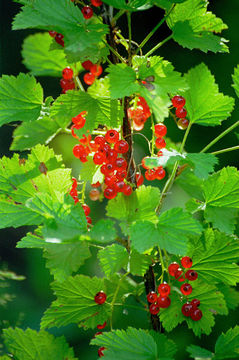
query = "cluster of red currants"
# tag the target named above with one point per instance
(95, 70)
(57, 36)
(139, 114)
(67, 81)
(188, 309)
(74, 195)
(159, 301)
(179, 102)
(100, 298)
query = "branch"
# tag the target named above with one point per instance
(149, 284)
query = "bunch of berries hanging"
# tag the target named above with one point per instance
(95, 71)
(100, 299)
(139, 114)
(67, 81)
(181, 113)
(160, 300)
(58, 37)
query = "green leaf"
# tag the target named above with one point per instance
(171, 232)
(14, 215)
(82, 38)
(75, 301)
(135, 344)
(100, 110)
(215, 258)
(166, 4)
(205, 105)
(29, 134)
(122, 81)
(91, 172)
(64, 259)
(235, 78)
(31, 345)
(112, 258)
(103, 231)
(198, 352)
(32, 240)
(132, 5)
(223, 219)
(194, 27)
(139, 263)
(231, 295)
(140, 206)
(39, 60)
(21, 98)
(227, 345)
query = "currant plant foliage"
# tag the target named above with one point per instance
(177, 263)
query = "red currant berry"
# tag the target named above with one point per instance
(191, 275)
(121, 147)
(150, 174)
(78, 150)
(152, 297)
(195, 303)
(89, 78)
(100, 140)
(98, 158)
(178, 274)
(67, 73)
(178, 101)
(186, 262)
(120, 163)
(186, 289)
(137, 115)
(96, 70)
(111, 155)
(87, 65)
(101, 327)
(79, 120)
(112, 136)
(138, 127)
(97, 184)
(100, 297)
(127, 190)
(88, 220)
(119, 186)
(196, 314)
(164, 301)
(59, 39)
(121, 174)
(159, 153)
(94, 195)
(100, 351)
(160, 130)
(87, 12)
(173, 268)
(164, 289)
(110, 180)
(52, 33)
(86, 209)
(181, 112)
(154, 309)
(139, 179)
(96, 2)
(187, 309)
(143, 163)
(160, 143)
(182, 124)
(160, 173)
(67, 84)
(110, 193)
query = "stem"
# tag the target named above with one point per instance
(117, 16)
(219, 137)
(154, 30)
(225, 150)
(80, 86)
(115, 52)
(130, 38)
(159, 45)
(185, 137)
(149, 284)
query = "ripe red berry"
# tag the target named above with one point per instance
(87, 12)
(181, 112)
(195, 303)
(164, 289)
(160, 173)
(164, 301)
(86, 209)
(160, 143)
(143, 163)
(100, 297)
(110, 193)
(150, 174)
(101, 327)
(196, 314)
(138, 127)
(112, 136)
(120, 163)
(178, 101)
(182, 124)
(87, 65)
(89, 78)
(154, 309)
(78, 150)
(100, 351)
(137, 115)
(94, 194)
(152, 297)
(96, 2)
(67, 73)
(160, 130)
(96, 70)
(100, 140)
(119, 186)
(121, 147)
(139, 179)
(191, 275)
(98, 158)
(187, 309)
(52, 33)
(110, 180)
(121, 174)
(127, 190)
(88, 220)
(186, 262)
(186, 289)
(173, 268)
(59, 39)
(67, 84)
(79, 120)
(179, 274)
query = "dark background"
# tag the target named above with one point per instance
(33, 295)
